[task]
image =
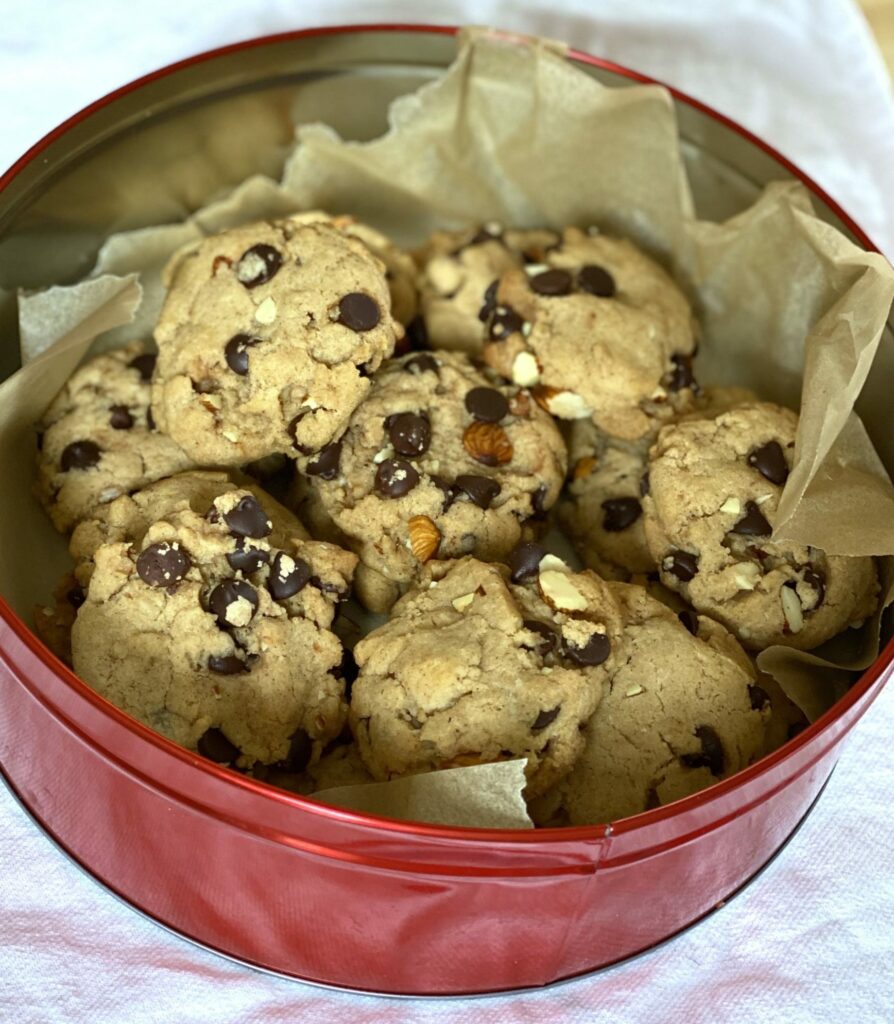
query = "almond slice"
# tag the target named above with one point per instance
(424, 537)
(487, 443)
(560, 593)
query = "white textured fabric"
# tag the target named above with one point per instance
(812, 939)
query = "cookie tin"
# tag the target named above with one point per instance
(272, 879)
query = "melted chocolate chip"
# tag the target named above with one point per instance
(816, 581)
(596, 280)
(489, 302)
(753, 523)
(682, 564)
(228, 593)
(487, 404)
(524, 561)
(681, 376)
(409, 433)
(287, 576)
(545, 718)
(76, 597)
(769, 461)
(215, 746)
(423, 363)
(594, 652)
(759, 697)
(450, 492)
(505, 321)
(481, 490)
(358, 311)
(248, 519)
(711, 756)
(120, 418)
(619, 513)
(163, 564)
(552, 283)
(339, 593)
(395, 478)
(258, 265)
(325, 465)
(689, 619)
(236, 352)
(245, 559)
(80, 455)
(549, 641)
(227, 665)
(300, 749)
(144, 365)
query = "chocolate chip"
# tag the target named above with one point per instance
(80, 455)
(409, 432)
(682, 564)
(236, 352)
(596, 280)
(325, 465)
(594, 652)
(358, 311)
(489, 302)
(753, 523)
(711, 756)
(76, 597)
(487, 404)
(258, 265)
(248, 519)
(644, 484)
(395, 478)
(339, 593)
(163, 564)
(538, 499)
(689, 620)
(227, 665)
(245, 559)
(230, 593)
(300, 749)
(552, 283)
(545, 718)
(549, 641)
(293, 433)
(482, 235)
(215, 746)
(287, 576)
(481, 490)
(450, 492)
(144, 365)
(120, 418)
(681, 376)
(769, 461)
(505, 321)
(524, 561)
(423, 363)
(759, 697)
(417, 333)
(816, 581)
(619, 513)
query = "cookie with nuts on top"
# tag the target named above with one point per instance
(473, 669)
(459, 274)
(680, 711)
(98, 439)
(714, 487)
(441, 460)
(267, 339)
(218, 639)
(598, 328)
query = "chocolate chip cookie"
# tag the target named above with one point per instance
(598, 329)
(267, 340)
(458, 279)
(440, 460)
(217, 638)
(714, 486)
(98, 438)
(678, 713)
(473, 669)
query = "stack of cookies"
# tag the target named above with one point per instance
(328, 416)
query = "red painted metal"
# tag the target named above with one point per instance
(332, 896)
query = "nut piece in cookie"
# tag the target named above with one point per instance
(677, 715)
(472, 669)
(98, 439)
(600, 331)
(441, 460)
(236, 661)
(267, 339)
(714, 487)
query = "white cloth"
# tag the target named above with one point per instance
(811, 940)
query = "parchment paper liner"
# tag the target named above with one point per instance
(512, 132)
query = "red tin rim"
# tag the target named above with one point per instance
(551, 835)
